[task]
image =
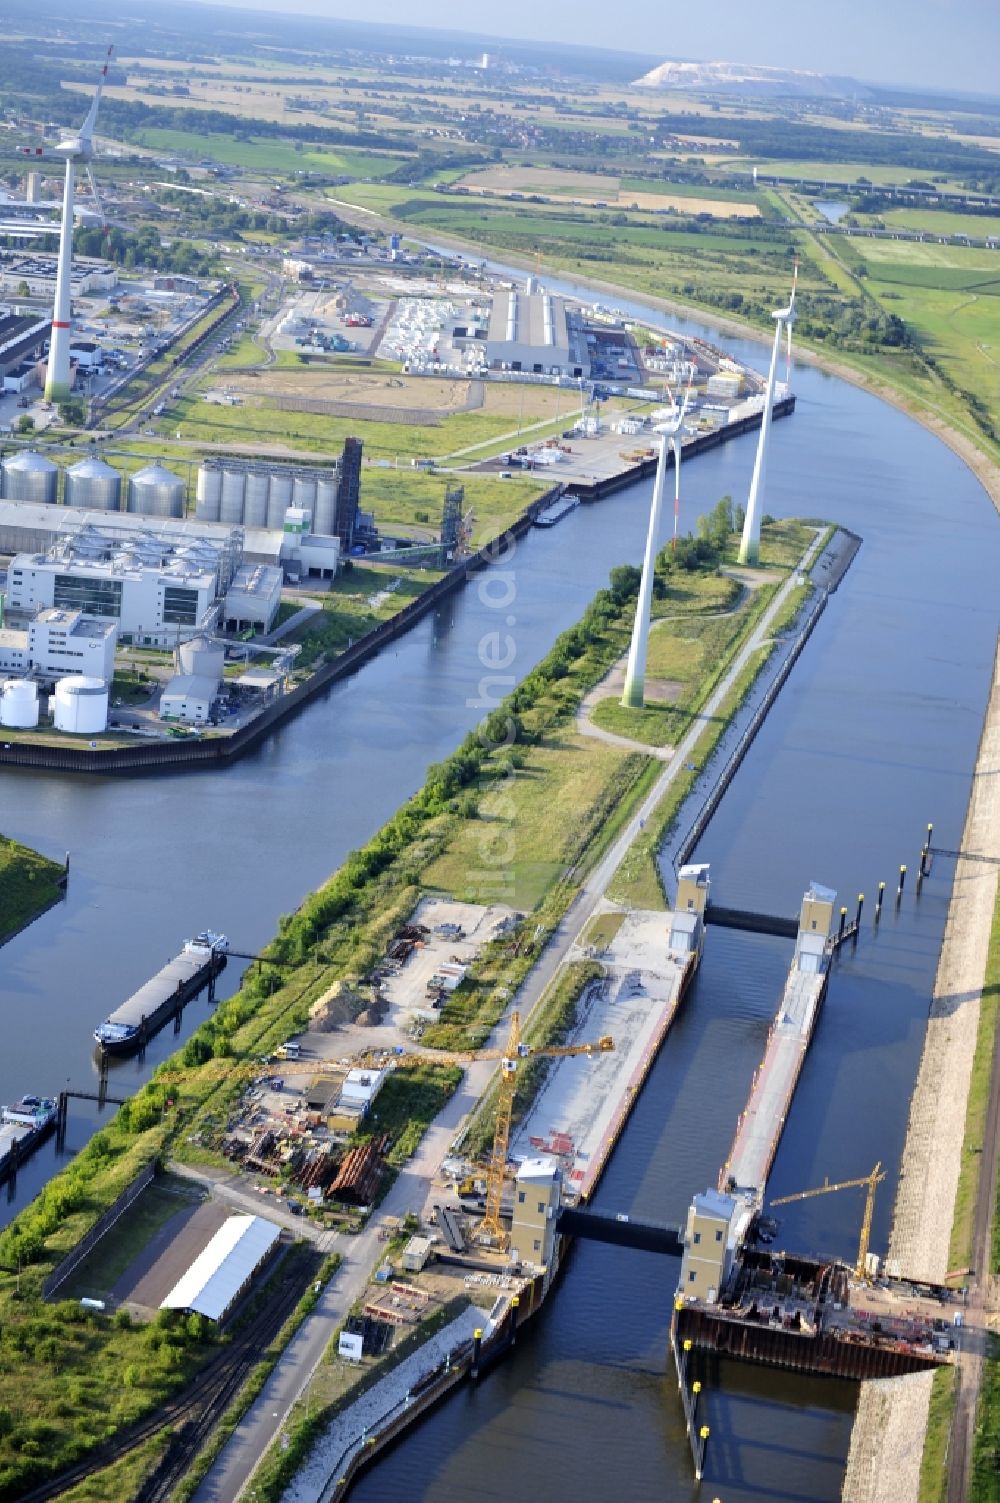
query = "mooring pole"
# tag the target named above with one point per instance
(878, 902)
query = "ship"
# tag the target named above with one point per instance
(23, 1127)
(131, 1026)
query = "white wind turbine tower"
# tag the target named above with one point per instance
(633, 695)
(750, 542)
(77, 151)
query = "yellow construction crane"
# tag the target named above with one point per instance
(870, 1181)
(510, 1056)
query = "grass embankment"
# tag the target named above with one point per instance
(29, 883)
(71, 1379)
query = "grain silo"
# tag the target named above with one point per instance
(255, 499)
(156, 492)
(234, 481)
(279, 497)
(30, 477)
(203, 657)
(326, 502)
(209, 492)
(93, 485)
(304, 493)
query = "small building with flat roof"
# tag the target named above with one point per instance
(188, 697)
(224, 1270)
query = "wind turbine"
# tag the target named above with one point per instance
(77, 151)
(750, 542)
(633, 694)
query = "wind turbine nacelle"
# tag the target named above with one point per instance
(76, 149)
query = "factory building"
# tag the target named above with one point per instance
(159, 585)
(530, 331)
(59, 642)
(223, 1271)
(21, 343)
(188, 697)
(253, 598)
(39, 271)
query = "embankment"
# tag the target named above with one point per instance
(888, 1439)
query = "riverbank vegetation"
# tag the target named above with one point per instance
(29, 883)
(71, 1378)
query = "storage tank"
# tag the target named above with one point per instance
(202, 656)
(30, 477)
(93, 485)
(279, 497)
(19, 704)
(231, 499)
(156, 492)
(304, 493)
(326, 505)
(80, 705)
(255, 499)
(208, 493)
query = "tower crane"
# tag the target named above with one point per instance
(876, 1177)
(510, 1056)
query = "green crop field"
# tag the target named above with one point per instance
(267, 154)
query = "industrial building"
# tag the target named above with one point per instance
(59, 642)
(224, 1270)
(159, 585)
(21, 340)
(531, 331)
(188, 697)
(39, 272)
(253, 597)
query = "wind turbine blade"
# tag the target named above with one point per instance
(87, 129)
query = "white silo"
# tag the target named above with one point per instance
(202, 656)
(304, 492)
(80, 705)
(30, 477)
(19, 704)
(208, 493)
(255, 499)
(93, 485)
(326, 505)
(279, 497)
(156, 492)
(231, 500)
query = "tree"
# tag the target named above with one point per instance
(23, 290)
(25, 423)
(624, 580)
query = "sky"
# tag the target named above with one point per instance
(950, 44)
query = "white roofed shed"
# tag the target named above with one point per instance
(223, 1270)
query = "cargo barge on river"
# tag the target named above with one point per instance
(23, 1128)
(131, 1026)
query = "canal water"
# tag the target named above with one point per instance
(874, 734)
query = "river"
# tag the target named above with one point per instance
(874, 735)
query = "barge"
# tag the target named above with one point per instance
(550, 515)
(131, 1026)
(23, 1128)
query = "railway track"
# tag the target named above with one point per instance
(196, 1411)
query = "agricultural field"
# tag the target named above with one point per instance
(267, 154)
(594, 189)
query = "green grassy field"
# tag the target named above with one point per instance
(269, 154)
(28, 885)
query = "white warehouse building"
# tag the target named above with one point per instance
(60, 642)
(529, 331)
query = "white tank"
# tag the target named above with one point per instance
(231, 499)
(255, 499)
(208, 493)
(326, 504)
(18, 704)
(80, 705)
(30, 477)
(203, 657)
(156, 492)
(93, 485)
(279, 498)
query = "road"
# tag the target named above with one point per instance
(228, 1478)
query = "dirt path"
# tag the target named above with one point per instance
(888, 1437)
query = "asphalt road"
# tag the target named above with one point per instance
(228, 1478)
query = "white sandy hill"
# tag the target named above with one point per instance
(750, 78)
